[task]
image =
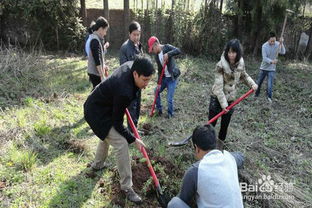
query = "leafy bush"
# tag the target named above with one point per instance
(204, 32)
(54, 22)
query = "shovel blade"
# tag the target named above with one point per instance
(180, 143)
(162, 199)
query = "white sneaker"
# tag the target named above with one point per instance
(270, 100)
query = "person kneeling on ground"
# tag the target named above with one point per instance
(104, 112)
(213, 180)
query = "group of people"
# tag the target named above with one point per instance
(212, 181)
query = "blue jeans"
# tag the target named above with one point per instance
(170, 84)
(176, 202)
(261, 77)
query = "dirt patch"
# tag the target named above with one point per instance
(142, 181)
(147, 128)
(145, 109)
(90, 174)
(75, 146)
(2, 185)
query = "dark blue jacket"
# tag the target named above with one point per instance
(172, 68)
(129, 51)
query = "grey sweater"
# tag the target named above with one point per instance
(269, 53)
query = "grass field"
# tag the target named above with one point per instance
(45, 144)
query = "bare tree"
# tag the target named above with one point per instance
(126, 17)
(169, 29)
(136, 4)
(188, 5)
(106, 15)
(308, 52)
(163, 4)
(83, 12)
(304, 7)
(106, 9)
(221, 5)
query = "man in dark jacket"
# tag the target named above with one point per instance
(165, 53)
(129, 50)
(131, 47)
(104, 112)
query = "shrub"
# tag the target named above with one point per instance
(54, 23)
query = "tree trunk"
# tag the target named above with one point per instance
(240, 19)
(126, 17)
(83, 12)
(106, 15)
(169, 26)
(188, 5)
(57, 39)
(142, 4)
(221, 6)
(257, 28)
(136, 5)
(1, 26)
(214, 2)
(308, 52)
(304, 6)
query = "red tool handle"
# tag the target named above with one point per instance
(143, 151)
(158, 88)
(231, 106)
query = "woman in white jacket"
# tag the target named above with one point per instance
(230, 70)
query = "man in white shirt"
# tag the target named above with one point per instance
(213, 180)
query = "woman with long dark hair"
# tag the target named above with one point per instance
(230, 70)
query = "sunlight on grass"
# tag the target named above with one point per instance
(42, 128)
(47, 144)
(21, 159)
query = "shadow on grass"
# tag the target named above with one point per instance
(50, 80)
(75, 191)
(59, 141)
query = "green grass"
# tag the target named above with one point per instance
(45, 143)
